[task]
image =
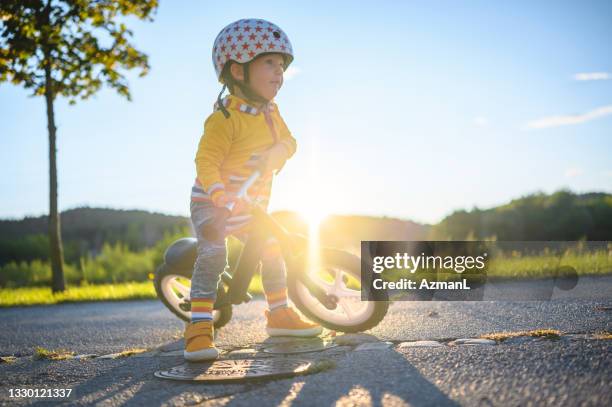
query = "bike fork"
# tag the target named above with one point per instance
(329, 301)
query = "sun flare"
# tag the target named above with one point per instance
(313, 216)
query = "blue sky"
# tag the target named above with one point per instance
(410, 110)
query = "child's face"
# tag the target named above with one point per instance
(266, 75)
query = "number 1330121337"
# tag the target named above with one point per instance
(39, 393)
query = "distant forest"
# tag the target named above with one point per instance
(84, 232)
(559, 216)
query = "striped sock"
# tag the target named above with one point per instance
(277, 299)
(201, 309)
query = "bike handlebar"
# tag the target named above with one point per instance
(215, 230)
(242, 192)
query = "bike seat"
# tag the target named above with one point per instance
(182, 254)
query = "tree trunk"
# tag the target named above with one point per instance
(55, 237)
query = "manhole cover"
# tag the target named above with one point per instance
(238, 369)
(300, 347)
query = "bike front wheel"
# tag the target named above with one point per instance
(339, 274)
(173, 289)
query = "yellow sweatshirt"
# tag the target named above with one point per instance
(230, 148)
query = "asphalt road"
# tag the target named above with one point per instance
(577, 369)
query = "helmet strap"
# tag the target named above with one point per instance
(220, 103)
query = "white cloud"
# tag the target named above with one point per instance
(291, 72)
(573, 172)
(608, 173)
(555, 121)
(481, 121)
(592, 76)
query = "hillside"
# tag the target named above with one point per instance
(562, 215)
(85, 230)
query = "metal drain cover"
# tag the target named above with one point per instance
(300, 347)
(236, 370)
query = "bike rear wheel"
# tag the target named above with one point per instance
(339, 274)
(173, 289)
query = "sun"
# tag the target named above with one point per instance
(313, 215)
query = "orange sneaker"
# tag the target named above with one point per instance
(199, 343)
(284, 321)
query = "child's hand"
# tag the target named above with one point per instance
(239, 204)
(274, 158)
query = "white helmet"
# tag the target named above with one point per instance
(244, 40)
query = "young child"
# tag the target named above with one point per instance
(245, 132)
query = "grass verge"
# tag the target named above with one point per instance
(26, 296)
(536, 333)
(603, 335)
(45, 354)
(10, 297)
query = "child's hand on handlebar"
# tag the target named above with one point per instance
(239, 204)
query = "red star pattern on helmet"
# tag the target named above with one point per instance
(244, 39)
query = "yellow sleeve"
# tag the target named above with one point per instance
(212, 150)
(286, 138)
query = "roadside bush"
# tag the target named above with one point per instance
(34, 273)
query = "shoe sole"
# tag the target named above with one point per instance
(200, 355)
(294, 332)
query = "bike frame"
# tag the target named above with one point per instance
(294, 248)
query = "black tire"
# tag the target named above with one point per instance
(221, 316)
(350, 264)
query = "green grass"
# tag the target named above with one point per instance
(130, 352)
(25, 296)
(508, 266)
(45, 354)
(517, 266)
(551, 334)
(603, 335)
(10, 297)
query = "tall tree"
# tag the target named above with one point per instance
(68, 48)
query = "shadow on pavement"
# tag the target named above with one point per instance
(363, 377)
